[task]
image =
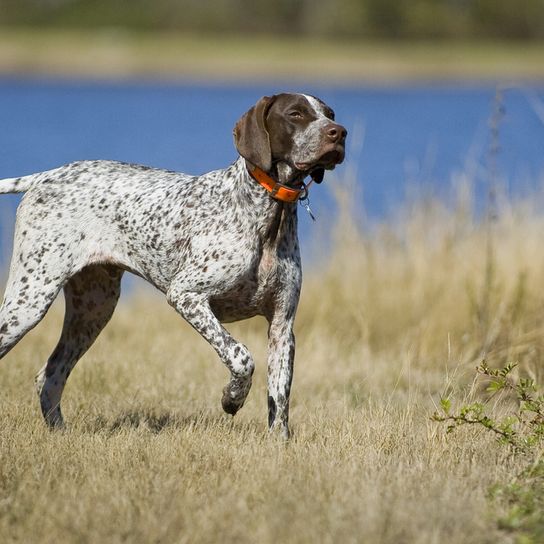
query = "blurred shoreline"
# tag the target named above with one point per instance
(117, 54)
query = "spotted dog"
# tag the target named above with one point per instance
(222, 246)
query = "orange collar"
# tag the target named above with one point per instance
(276, 189)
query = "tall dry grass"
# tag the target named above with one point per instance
(396, 316)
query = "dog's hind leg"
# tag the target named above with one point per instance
(90, 296)
(40, 265)
(25, 303)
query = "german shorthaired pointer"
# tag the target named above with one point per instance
(222, 246)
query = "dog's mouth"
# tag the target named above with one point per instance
(331, 156)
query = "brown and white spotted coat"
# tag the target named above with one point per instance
(218, 246)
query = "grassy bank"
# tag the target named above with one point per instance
(396, 318)
(118, 54)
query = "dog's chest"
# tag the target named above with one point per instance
(248, 294)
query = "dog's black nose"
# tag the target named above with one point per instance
(335, 133)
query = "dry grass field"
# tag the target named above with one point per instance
(395, 318)
(114, 53)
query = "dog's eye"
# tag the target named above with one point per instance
(295, 114)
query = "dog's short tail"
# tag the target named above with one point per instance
(16, 185)
(23, 184)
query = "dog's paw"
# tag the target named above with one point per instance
(234, 395)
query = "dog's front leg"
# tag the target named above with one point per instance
(195, 308)
(281, 356)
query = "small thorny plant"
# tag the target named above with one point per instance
(522, 430)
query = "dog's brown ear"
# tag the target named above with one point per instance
(251, 135)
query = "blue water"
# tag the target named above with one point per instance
(416, 135)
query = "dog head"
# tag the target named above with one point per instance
(294, 132)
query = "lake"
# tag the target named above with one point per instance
(412, 136)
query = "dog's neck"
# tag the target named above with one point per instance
(275, 218)
(282, 172)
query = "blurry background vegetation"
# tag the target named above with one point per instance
(338, 19)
